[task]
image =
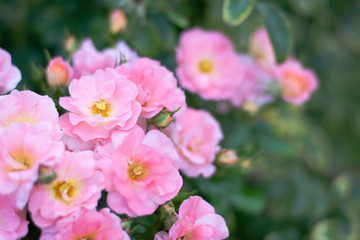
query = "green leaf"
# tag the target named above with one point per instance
(236, 11)
(278, 28)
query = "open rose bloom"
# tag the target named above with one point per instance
(197, 220)
(146, 173)
(10, 75)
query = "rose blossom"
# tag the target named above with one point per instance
(196, 220)
(13, 224)
(145, 175)
(58, 72)
(196, 135)
(99, 103)
(77, 185)
(10, 75)
(22, 149)
(89, 225)
(261, 48)
(297, 83)
(30, 108)
(117, 21)
(157, 86)
(88, 59)
(207, 64)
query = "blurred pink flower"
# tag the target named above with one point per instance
(156, 85)
(78, 185)
(146, 173)
(117, 21)
(90, 224)
(13, 224)
(297, 83)
(261, 49)
(207, 64)
(58, 72)
(10, 75)
(100, 103)
(196, 135)
(88, 59)
(196, 220)
(22, 149)
(30, 108)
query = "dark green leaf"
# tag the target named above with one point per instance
(278, 29)
(236, 11)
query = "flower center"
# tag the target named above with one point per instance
(101, 107)
(25, 162)
(205, 66)
(64, 190)
(188, 236)
(136, 171)
(85, 238)
(294, 84)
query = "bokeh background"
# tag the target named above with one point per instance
(298, 174)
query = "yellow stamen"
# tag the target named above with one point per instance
(101, 107)
(136, 171)
(64, 190)
(205, 66)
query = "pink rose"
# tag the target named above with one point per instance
(157, 86)
(196, 220)
(207, 64)
(146, 173)
(100, 103)
(77, 185)
(260, 47)
(297, 83)
(22, 149)
(10, 75)
(90, 224)
(13, 224)
(196, 135)
(58, 72)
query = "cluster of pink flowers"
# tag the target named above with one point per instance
(109, 140)
(209, 66)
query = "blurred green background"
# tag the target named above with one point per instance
(298, 174)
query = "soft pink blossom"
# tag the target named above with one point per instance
(77, 185)
(146, 173)
(261, 48)
(10, 75)
(23, 148)
(255, 85)
(58, 72)
(197, 220)
(196, 135)
(13, 224)
(117, 21)
(297, 83)
(207, 64)
(100, 103)
(30, 108)
(90, 224)
(88, 59)
(157, 86)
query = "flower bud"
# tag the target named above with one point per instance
(164, 118)
(58, 72)
(167, 212)
(46, 175)
(227, 157)
(117, 21)
(70, 44)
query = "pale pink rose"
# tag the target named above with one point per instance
(297, 83)
(90, 224)
(157, 86)
(255, 85)
(13, 224)
(58, 72)
(77, 185)
(146, 173)
(10, 75)
(30, 108)
(260, 47)
(88, 59)
(117, 21)
(207, 64)
(196, 135)
(197, 220)
(22, 149)
(100, 103)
